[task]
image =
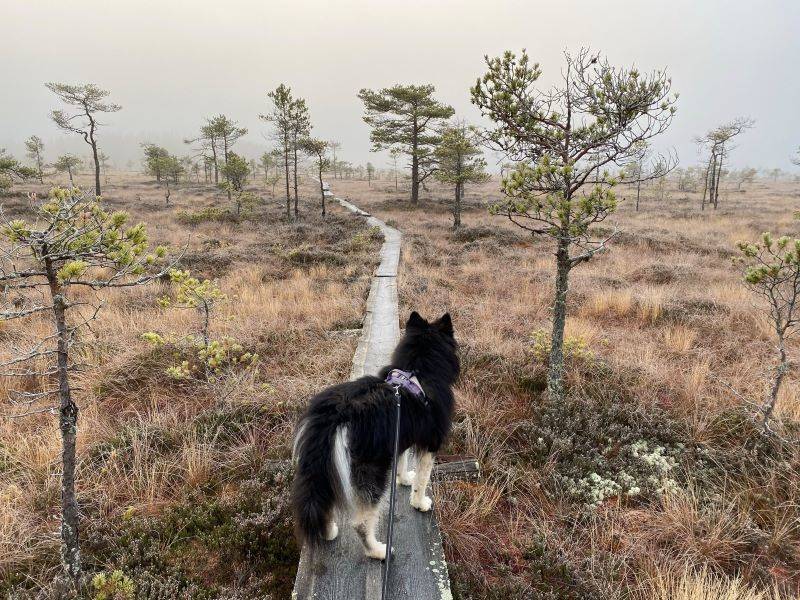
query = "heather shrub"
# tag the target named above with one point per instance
(241, 540)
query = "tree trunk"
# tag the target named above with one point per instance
(555, 375)
(713, 179)
(68, 424)
(414, 179)
(457, 207)
(216, 164)
(69, 172)
(97, 190)
(415, 164)
(294, 174)
(206, 323)
(93, 143)
(321, 188)
(719, 177)
(705, 185)
(638, 191)
(780, 373)
(286, 165)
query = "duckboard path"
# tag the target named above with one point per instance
(339, 570)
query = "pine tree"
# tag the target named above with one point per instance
(406, 117)
(35, 148)
(68, 163)
(301, 127)
(236, 171)
(282, 120)
(460, 161)
(227, 132)
(317, 149)
(772, 271)
(11, 169)
(73, 245)
(88, 100)
(562, 137)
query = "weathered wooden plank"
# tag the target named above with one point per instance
(339, 570)
(464, 468)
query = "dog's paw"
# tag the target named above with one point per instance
(331, 531)
(406, 478)
(422, 504)
(377, 552)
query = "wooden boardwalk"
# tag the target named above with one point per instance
(339, 570)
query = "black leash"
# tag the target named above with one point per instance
(392, 492)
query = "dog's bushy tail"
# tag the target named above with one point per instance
(322, 477)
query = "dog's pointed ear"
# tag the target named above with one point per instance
(445, 324)
(415, 321)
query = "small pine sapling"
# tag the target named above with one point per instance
(72, 244)
(207, 358)
(772, 271)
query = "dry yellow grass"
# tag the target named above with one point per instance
(680, 338)
(616, 303)
(704, 585)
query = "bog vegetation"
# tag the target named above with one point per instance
(637, 418)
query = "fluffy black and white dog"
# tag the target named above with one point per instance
(344, 443)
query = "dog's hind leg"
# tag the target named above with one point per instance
(404, 476)
(331, 530)
(365, 522)
(423, 476)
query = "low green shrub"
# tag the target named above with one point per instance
(242, 540)
(211, 214)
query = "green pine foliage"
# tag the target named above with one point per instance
(567, 142)
(198, 358)
(406, 117)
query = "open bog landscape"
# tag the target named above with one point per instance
(183, 483)
(611, 228)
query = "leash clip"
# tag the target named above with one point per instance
(407, 380)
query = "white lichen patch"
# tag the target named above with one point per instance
(650, 469)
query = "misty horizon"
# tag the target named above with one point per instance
(172, 66)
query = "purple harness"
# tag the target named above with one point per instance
(408, 381)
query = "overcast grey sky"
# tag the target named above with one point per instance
(172, 62)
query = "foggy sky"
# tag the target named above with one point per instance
(172, 63)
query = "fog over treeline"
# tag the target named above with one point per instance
(171, 64)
